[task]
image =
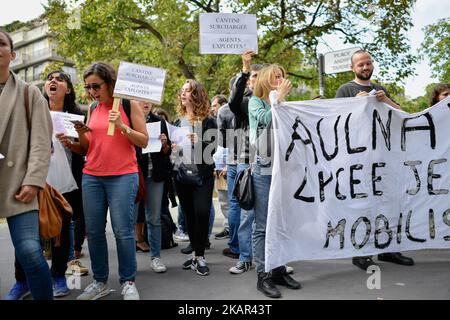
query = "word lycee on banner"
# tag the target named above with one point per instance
(228, 33)
(140, 82)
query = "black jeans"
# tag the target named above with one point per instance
(196, 204)
(76, 202)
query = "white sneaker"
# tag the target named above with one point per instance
(157, 265)
(94, 291)
(181, 236)
(129, 291)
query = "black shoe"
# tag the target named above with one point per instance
(188, 264)
(222, 235)
(281, 277)
(396, 257)
(188, 249)
(363, 262)
(266, 285)
(230, 254)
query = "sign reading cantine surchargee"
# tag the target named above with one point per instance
(228, 33)
(139, 82)
(355, 177)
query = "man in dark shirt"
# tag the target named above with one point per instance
(362, 67)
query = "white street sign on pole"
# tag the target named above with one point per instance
(338, 61)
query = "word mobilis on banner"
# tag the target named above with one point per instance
(355, 177)
(139, 82)
(228, 33)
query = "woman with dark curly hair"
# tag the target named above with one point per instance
(195, 179)
(440, 92)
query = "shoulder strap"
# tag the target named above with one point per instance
(91, 108)
(127, 108)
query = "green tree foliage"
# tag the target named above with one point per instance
(165, 33)
(436, 46)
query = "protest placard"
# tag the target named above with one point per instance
(139, 82)
(62, 123)
(355, 177)
(228, 33)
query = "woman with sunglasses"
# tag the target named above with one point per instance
(110, 181)
(24, 163)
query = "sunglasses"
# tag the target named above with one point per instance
(94, 86)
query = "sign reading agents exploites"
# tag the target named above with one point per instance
(135, 81)
(338, 61)
(228, 33)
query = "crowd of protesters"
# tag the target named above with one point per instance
(110, 171)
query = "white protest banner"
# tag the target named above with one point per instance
(179, 135)
(135, 81)
(62, 123)
(154, 143)
(355, 177)
(228, 33)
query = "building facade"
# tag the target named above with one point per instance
(35, 50)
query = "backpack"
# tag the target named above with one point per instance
(168, 228)
(126, 104)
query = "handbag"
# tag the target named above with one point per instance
(52, 205)
(142, 190)
(189, 174)
(243, 189)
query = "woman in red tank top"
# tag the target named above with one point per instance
(110, 181)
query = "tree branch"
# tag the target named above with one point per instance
(300, 76)
(207, 8)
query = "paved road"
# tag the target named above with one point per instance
(329, 279)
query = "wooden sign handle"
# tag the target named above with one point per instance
(112, 126)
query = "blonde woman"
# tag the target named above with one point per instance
(270, 82)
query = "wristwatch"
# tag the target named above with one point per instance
(127, 130)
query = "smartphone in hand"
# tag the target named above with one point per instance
(80, 124)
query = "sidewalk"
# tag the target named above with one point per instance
(329, 279)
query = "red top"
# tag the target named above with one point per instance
(109, 155)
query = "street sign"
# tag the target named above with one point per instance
(338, 61)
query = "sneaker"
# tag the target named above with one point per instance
(189, 264)
(241, 267)
(181, 236)
(157, 265)
(200, 266)
(289, 270)
(19, 291)
(75, 268)
(222, 235)
(60, 287)
(129, 291)
(94, 291)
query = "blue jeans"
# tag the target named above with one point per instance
(155, 192)
(261, 187)
(212, 216)
(247, 220)
(118, 194)
(24, 231)
(234, 210)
